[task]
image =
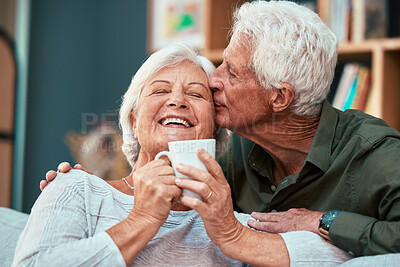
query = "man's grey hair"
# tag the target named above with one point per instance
(288, 43)
(168, 56)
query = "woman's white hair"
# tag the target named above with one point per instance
(289, 43)
(168, 56)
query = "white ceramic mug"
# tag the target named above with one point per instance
(186, 152)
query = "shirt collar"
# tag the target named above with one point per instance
(320, 150)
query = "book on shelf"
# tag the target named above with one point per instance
(369, 19)
(353, 87)
(339, 18)
(394, 18)
(363, 85)
(346, 82)
(357, 20)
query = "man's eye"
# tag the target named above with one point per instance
(231, 74)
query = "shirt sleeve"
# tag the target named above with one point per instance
(57, 231)
(309, 249)
(362, 235)
(376, 228)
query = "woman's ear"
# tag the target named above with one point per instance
(282, 98)
(132, 120)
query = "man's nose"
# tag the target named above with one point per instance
(215, 82)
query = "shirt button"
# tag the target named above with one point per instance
(274, 211)
(273, 188)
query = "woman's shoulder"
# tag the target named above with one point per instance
(78, 188)
(76, 180)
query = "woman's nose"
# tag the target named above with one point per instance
(177, 100)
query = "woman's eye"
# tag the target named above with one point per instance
(161, 91)
(196, 95)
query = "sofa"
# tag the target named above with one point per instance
(11, 225)
(13, 222)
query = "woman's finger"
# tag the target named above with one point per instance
(194, 173)
(199, 188)
(163, 161)
(195, 204)
(212, 165)
(167, 179)
(173, 192)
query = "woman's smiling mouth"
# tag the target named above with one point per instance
(175, 122)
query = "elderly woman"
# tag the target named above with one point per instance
(81, 219)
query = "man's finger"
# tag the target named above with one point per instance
(50, 175)
(271, 227)
(42, 184)
(64, 167)
(80, 167)
(265, 217)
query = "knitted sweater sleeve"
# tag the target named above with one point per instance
(58, 230)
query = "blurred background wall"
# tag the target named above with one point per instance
(82, 55)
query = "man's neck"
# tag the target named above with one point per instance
(287, 139)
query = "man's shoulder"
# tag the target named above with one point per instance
(355, 123)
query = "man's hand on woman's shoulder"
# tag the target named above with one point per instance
(63, 167)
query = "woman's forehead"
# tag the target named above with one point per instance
(184, 71)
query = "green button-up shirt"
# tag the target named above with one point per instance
(353, 165)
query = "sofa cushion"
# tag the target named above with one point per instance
(11, 225)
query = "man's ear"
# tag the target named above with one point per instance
(282, 98)
(132, 120)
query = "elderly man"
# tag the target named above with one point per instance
(293, 157)
(292, 152)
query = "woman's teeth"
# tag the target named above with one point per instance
(175, 121)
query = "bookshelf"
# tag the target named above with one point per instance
(214, 17)
(8, 73)
(218, 18)
(381, 55)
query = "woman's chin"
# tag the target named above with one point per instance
(179, 136)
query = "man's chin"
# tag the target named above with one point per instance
(222, 121)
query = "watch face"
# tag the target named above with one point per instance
(328, 218)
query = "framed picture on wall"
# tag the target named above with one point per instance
(172, 21)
